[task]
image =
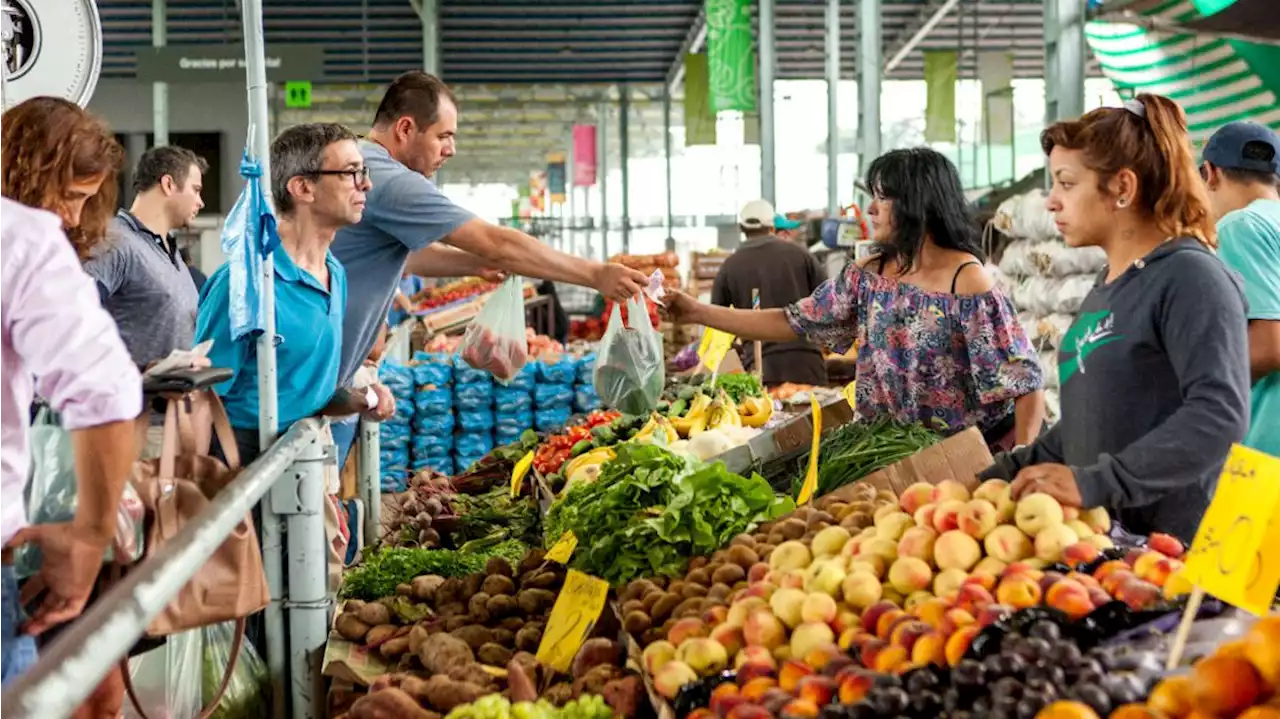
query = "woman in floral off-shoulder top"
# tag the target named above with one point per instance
(938, 341)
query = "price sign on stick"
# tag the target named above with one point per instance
(811, 476)
(1227, 558)
(563, 548)
(574, 615)
(518, 473)
(714, 346)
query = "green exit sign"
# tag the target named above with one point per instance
(297, 94)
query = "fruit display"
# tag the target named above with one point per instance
(539, 346)
(496, 706)
(596, 430)
(446, 294)
(446, 635)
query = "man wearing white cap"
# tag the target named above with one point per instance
(783, 272)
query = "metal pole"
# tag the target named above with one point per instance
(833, 106)
(431, 36)
(768, 70)
(303, 491)
(666, 155)
(624, 145)
(369, 465)
(268, 413)
(76, 661)
(1064, 59)
(159, 90)
(602, 169)
(868, 81)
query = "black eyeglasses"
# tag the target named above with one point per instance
(358, 177)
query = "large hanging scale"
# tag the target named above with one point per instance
(51, 47)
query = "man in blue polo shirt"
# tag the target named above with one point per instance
(318, 183)
(1242, 170)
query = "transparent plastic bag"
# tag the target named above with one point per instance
(52, 496)
(168, 678)
(248, 693)
(495, 340)
(629, 371)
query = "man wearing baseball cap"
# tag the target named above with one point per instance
(1241, 166)
(783, 272)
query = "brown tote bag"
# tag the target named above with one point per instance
(175, 489)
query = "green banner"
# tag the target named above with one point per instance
(731, 53)
(940, 75)
(699, 121)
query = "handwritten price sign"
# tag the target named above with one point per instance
(714, 346)
(1227, 558)
(563, 548)
(811, 476)
(572, 618)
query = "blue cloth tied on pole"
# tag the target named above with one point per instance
(249, 235)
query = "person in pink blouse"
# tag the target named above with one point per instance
(57, 341)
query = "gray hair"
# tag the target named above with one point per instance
(299, 151)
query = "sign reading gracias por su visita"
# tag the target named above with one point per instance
(219, 63)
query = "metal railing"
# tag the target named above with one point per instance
(71, 667)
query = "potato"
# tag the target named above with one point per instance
(729, 574)
(394, 648)
(793, 528)
(543, 580)
(533, 601)
(417, 637)
(471, 585)
(352, 605)
(474, 635)
(504, 637)
(636, 623)
(351, 628)
(449, 592)
(495, 655)
(499, 567)
(445, 694)
(404, 590)
(559, 694)
(476, 608)
(473, 673)
(496, 584)
(532, 560)
(698, 562)
(665, 606)
(380, 633)
(700, 577)
(453, 609)
(426, 586)
(442, 651)
(456, 622)
(528, 638)
(501, 605)
(389, 704)
(593, 653)
(374, 614)
(512, 624)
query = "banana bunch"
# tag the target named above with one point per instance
(755, 411)
(657, 426)
(723, 413)
(694, 421)
(594, 457)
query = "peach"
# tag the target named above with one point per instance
(1146, 562)
(790, 672)
(1048, 578)
(847, 638)
(956, 550)
(657, 654)
(885, 510)
(792, 579)
(993, 613)
(950, 489)
(754, 689)
(860, 589)
(931, 648)
(1097, 519)
(1019, 592)
(825, 575)
(1024, 566)
(871, 615)
(908, 574)
(786, 604)
(994, 491)
(757, 572)
(1082, 530)
(1137, 593)
(1052, 540)
(873, 564)
(889, 594)
(729, 637)
(817, 689)
(820, 656)
(718, 614)
(948, 581)
(958, 643)
(851, 547)
(1070, 514)
(985, 580)
(886, 549)
(800, 709)
(1172, 696)
(1112, 582)
(886, 621)
(889, 658)
(924, 516)
(869, 651)
(1008, 544)
(918, 542)
(1063, 709)
(1107, 567)
(764, 590)
(685, 629)
(818, 607)
(991, 566)
(672, 676)
(846, 620)
(954, 619)
(915, 497)
(764, 630)
(915, 599)
(829, 541)
(1225, 686)
(932, 611)
(1088, 581)
(810, 636)
(1262, 648)
(893, 525)
(1070, 597)
(1160, 572)
(770, 706)
(973, 597)
(946, 515)
(854, 687)
(1037, 511)
(906, 633)
(1079, 553)
(978, 518)
(1166, 544)
(742, 608)
(1098, 597)
(759, 656)
(790, 555)
(1101, 541)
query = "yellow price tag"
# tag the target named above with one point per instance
(574, 615)
(714, 346)
(811, 476)
(1226, 558)
(849, 394)
(563, 548)
(518, 473)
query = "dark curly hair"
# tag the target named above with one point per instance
(49, 143)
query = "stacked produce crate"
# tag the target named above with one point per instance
(1046, 279)
(432, 441)
(473, 400)
(396, 432)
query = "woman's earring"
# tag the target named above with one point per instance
(1122, 203)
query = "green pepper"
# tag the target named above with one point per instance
(678, 408)
(580, 447)
(687, 393)
(605, 435)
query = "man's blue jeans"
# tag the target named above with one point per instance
(19, 651)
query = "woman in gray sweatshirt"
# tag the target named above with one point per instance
(1155, 369)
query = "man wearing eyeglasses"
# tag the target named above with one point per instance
(318, 183)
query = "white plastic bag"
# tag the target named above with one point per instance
(168, 678)
(630, 372)
(1074, 290)
(495, 340)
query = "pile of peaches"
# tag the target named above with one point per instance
(912, 589)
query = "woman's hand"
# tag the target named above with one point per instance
(1055, 480)
(679, 307)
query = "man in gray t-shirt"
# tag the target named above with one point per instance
(144, 283)
(413, 136)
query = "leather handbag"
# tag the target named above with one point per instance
(175, 489)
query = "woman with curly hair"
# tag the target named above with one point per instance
(59, 157)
